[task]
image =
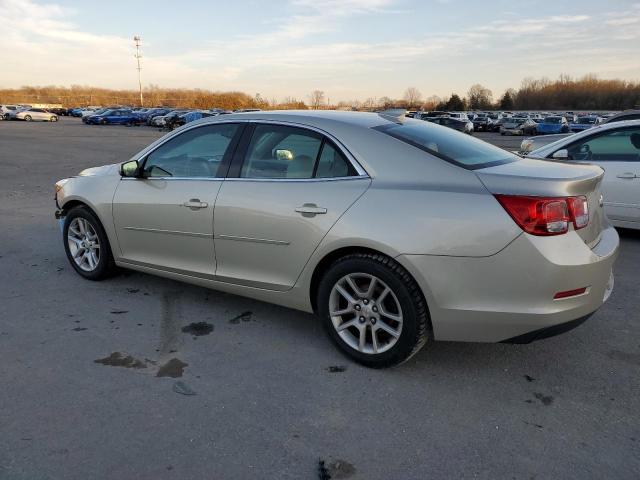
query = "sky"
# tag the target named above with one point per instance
(350, 49)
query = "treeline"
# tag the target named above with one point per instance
(81, 96)
(565, 93)
(586, 93)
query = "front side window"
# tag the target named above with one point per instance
(195, 153)
(615, 146)
(448, 144)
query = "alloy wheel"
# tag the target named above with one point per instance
(365, 313)
(84, 244)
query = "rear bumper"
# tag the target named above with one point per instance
(511, 294)
(547, 332)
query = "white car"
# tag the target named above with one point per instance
(36, 114)
(616, 148)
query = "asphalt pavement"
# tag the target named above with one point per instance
(140, 377)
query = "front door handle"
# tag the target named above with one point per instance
(311, 210)
(195, 204)
(627, 175)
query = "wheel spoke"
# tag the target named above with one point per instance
(383, 295)
(74, 230)
(76, 241)
(374, 340)
(383, 326)
(78, 252)
(81, 226)
(94, 259)
(363, 338)
(339, 313)
(353, 286)
(345, 325)
(392, 316)
(372, 286)
(345, 294)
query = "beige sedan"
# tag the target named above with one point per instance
(395, 231)
(34, 114)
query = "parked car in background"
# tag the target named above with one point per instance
(481, 122)
(458, 115)
(584, 122)
(616, 148)
(61, 112)
(114, 117)
(460, 125)
(553, 124)
(626, 115)
(497, 124)
(532, 143)
(7, 112)
(35, 114)
(518, 234)
(518, 126)
(85, 118)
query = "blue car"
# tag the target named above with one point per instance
(584, 123)
(553, 124)
(114, 117)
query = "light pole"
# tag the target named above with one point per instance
(138, 57)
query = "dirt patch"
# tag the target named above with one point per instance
(243, 317)
(119, 359)
(336, 368)
(198, 329)
(174, 368)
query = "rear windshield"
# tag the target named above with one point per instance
(447, 144)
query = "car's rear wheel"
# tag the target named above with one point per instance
(86, 244)
(27, 118)
(373, 309)
(103, 121)
(53, 118)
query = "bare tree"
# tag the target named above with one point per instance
(317, 99)
(479, 97)
(412, 96)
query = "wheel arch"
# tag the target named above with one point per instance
(329, 258)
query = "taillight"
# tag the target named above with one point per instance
(546, 215)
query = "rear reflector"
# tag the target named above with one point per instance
(546, 215)
(570, 293)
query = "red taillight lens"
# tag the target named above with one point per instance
(570, 293)
(544, 215)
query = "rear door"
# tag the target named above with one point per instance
(618, 153)
(288, 185)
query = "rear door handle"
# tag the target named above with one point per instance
(627, 175)
(195, 204)
(310, 210)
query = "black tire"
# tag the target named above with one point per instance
(103, 121)
(106, 265)
(53, 119)
(416, 322)
(27, 118)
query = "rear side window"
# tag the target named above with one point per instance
(447, 144)
(284, 152)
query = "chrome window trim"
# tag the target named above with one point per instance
(206, 179)
(361, 172)
(343, 149)
(296, 180)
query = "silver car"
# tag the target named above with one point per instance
(616, 148)
(33, 114)
(395, 231)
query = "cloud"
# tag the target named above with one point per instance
(312, 46)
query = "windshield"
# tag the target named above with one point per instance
(552, 120)
(448, 144)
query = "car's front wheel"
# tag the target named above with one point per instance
(373, 309)
(27, 118)
(53, 118)
(86, 244)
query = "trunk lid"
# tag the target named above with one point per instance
(545, 178)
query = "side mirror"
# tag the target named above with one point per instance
(130, 169)
(561, 154)
(283, 155)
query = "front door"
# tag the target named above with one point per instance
(165, 219)
(618, 153)
(290, 187)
